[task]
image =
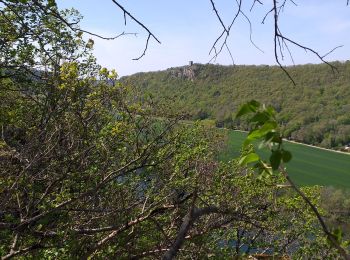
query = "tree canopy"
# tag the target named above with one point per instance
(91, 168)
(316, 111)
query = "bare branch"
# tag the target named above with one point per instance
(218, 16)
(150, 34)
(281, 42)
(250, 30)
(146, 47)
(340, 46)
(21, 251)
(229, 52)
(118, 230)
(254, 2)
(225, 32)
(277, 41)
(192, 216)
(311, 50)
(76, 29)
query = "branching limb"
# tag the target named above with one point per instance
(329, 235)
(218, 16)
(150, 34)
(144, 51)
(189, 219)
(253, 4)
(223, 37)
(116, 231)
(281, 41)
(21, 251)
(225, 33)
(277, 42)
(72, 26)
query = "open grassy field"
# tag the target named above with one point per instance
(309, 166)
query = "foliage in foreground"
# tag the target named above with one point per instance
(87, 170)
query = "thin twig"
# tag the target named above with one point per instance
(150, 34)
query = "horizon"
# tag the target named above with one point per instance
(188, 29)
(233, 65)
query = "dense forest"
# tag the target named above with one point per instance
(315, 111)
(92, 168)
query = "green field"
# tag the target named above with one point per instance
(309, 166)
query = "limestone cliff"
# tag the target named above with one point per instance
(188, 72)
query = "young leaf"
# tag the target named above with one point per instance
(255, 104)
(249, 158)
(247, 108)
(261, 132)
(260, 117)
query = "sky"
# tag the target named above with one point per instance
(188, 28)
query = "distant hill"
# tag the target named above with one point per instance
(315, 111)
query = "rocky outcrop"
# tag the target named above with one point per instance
(185, 72)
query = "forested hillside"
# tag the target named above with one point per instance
(315, 111)
(91, 169)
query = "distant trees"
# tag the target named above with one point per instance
(89, 168)
(305, 114)
(282, 42)
(337, 205)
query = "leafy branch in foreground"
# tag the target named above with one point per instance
(90, 169)
(265, 129)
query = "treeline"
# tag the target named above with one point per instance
(315, 111)
(87, 171)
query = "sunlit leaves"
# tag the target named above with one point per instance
(266, 130)
(249, 158)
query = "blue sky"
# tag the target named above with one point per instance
(188, 28)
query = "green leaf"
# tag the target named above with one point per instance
(275, 159)
(255, 134)
(270, 110)
(247, 108)
(261, 132)
(249, 158)
(273, 137)
(286, 156)
(260, 117)
(270, 126)
(254, 103)
(246, 143)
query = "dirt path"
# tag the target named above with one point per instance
(313, 146)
